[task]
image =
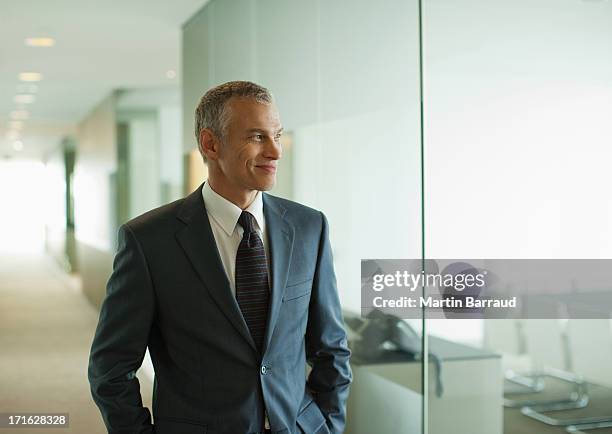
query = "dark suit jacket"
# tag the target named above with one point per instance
(168, 291)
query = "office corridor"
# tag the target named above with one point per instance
(46, 327)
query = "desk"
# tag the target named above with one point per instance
(385, 396)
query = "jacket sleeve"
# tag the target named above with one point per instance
(326, 342)
(121, 339)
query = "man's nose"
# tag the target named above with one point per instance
(274, 149)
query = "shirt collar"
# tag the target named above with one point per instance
(227, 213)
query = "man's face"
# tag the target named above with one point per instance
(251, 147)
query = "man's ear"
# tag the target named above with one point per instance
(209, 144)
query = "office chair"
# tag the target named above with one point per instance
(545, 343)
(505, 336)
(586, 337)
(583, 428)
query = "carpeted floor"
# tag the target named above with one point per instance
(46, 328)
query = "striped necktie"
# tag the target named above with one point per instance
(252, 288)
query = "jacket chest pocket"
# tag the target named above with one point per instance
(295, 291)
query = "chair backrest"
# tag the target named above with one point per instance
(502, 335)
(590, 344)
(545, 343)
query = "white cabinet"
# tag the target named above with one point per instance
(385, 396)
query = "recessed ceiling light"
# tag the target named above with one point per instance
(18, 145)
(171, 73)
(27, 88)
(25, 98)
(30, 76)
(40, 42)
(19, 115)
(15, 125)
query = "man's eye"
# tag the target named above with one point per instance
(258, 136)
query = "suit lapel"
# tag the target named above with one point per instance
(198, 241)
(280, 236)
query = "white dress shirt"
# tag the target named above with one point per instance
(223, 217)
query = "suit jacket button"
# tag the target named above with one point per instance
(264, 370)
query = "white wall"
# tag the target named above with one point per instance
(144, 164)
(170, 150)
(96, 161)
(153, 119)
(519, 97)
(518, 132)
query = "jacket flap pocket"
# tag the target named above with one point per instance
(298, 290)
(298, 281)
(311, 420)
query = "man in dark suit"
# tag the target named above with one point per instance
(232, 290)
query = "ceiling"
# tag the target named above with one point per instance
(99, 46)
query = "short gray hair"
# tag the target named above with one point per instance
(211, 112)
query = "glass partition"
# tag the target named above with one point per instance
(345, 76)
(518, 100)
